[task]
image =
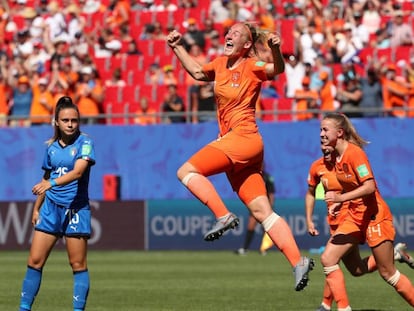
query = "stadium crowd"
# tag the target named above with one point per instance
(111, 57)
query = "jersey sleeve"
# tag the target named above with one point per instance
(87, 150)
(259, 70)
(313, 177)
(361, 166)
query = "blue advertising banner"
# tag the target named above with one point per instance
(181, 224)
(146, 158)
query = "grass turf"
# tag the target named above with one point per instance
(188, 280)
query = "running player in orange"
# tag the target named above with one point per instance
(323, 171)
(368, 217)
(238, 152)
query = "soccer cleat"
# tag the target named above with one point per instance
(401, 255)
(301, 272)
(230, 221)
(241, 251)
(322, 308)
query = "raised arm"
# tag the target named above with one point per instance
(278, 65)
(189, 64)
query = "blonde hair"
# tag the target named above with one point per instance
(350, 133)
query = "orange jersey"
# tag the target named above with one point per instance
(320, 171)
(237, 92)
(352, 171)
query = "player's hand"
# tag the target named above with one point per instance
(334, 209)
(273, 40)
(312, 230)
(173, 38)
(41, 187)
(35, 217)
(332, 197)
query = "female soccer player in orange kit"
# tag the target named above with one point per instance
(238, 152)
(368, 216)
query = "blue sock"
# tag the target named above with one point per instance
(30, 288)
(80, 289)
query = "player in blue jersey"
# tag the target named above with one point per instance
(62, 205)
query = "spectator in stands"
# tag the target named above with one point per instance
(132, 48)
(395, 93)
(22, 100)
(371, 102)
(349, 95)
(203, 102)
(148, 5)
(169, 76)
(43, 103)
(173, 107)
(208, 29)
(305, 99)
(37, 60)
(193, 35)
(382, 38)
(347, 45)
(119, 13)
(75, 22)
(116, 79)
(89, 95)
(371, 17)
(327, 93)
(215, 48)
(219, 11)
(401, 32)
(154, 75)
(360, 30)
(146, 115)
(294, 71)
(187, 4)
(166, 5)
(56, 26)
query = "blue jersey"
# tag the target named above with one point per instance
(60, 160)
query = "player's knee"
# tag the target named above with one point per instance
(78, 265)
(270, 221)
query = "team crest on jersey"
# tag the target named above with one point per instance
(345, 168)
(260, 63)
(235, 77)
(73, 151)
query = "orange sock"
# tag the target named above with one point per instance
(405, 288)
(282, 237)
(266, 243)
(327, 296)
(204, 190)
(336, 282)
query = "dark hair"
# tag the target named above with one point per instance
(65, 102)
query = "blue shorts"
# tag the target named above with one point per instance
(60, 221)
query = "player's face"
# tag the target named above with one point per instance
(236, 40)
(68, 121)
(327, 153)
(329, 132)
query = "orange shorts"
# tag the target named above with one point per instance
(240, 156)
(372, 233)
(380, 232)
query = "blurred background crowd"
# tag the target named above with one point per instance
(111, 57)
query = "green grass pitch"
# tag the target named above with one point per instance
(188, 280)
